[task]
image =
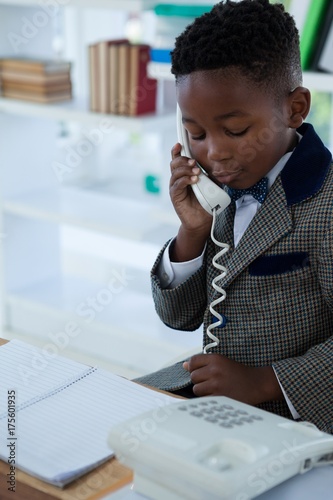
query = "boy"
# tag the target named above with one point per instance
(239, 87)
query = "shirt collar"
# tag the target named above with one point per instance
(273, 173)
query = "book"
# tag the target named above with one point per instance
(61, 411)
(142, 89)
(38, 98)
(114, 68)
(108, 72)
(322, 59)
(119, 82)
(161, 55)
(37, 66)
(172, 10)
(46, 90)
(122, 101)
(311, 30)
(103, 75)
(35, 79)
(93, 77)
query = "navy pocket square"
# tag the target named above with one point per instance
(269, 265)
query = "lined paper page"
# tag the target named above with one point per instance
(67, 433)
(32, 372)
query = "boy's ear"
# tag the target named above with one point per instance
(299, 106)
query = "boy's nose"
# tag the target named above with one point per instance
(217, 151)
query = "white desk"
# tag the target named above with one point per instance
(316, 484)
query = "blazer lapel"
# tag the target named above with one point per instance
(224, 227)
(271, 222)
(302, 176)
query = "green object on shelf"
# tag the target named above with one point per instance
(311, 31)
(152, 184)
(170, 9)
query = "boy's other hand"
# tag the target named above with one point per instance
(217, 375)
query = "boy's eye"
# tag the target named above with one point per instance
(238, 134)
(198, 137)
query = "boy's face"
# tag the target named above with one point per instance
(236, 131)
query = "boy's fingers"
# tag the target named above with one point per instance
(191, 364)
(175, 151)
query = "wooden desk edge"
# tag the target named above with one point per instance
(102, 480)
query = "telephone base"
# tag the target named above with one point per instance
(151, 489)
(176, 488)
(217, 448)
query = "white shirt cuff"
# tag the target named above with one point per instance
(172, 274)
(294, 413)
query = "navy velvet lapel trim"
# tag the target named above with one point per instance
(270, 265)
(305, 171)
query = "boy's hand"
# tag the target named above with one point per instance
(184, 172)
(195, 221)
(217, 375)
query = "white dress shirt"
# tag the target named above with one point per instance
(171, 274)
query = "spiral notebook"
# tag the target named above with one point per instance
(56, 414)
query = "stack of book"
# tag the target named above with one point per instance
(119, 81)
(35, 80)
(171, 19)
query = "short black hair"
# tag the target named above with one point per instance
(256, 37)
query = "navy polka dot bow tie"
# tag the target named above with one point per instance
(258, 191)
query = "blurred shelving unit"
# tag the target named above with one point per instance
(77, 248)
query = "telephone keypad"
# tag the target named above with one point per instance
(225, 415)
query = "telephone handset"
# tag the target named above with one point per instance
(208, 193)
(214, 200)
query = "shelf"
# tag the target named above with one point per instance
(315, 81)
(91, 210)
(318, 81)
(127, 331)
(127, 5)
(77, 110)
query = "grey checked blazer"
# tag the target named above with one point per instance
(279, 285)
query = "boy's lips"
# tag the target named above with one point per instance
(226, 177)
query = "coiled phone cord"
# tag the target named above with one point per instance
(221, 291)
